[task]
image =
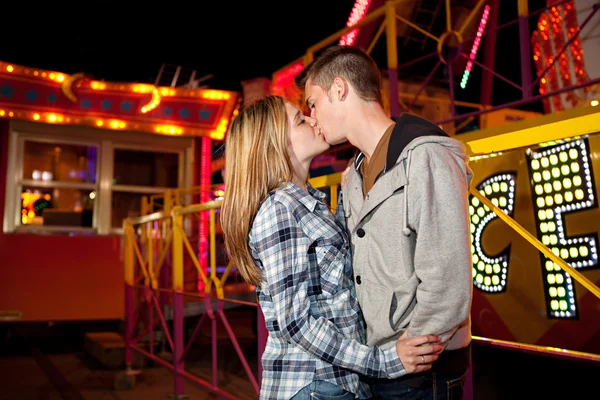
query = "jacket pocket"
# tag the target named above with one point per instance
(376, 302)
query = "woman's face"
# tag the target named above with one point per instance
(305, 138)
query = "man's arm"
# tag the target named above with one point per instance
(438, 212)
(283, 251)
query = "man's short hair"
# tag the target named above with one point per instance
(347, 62)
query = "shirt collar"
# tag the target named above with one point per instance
(358, 161)
(309, 199)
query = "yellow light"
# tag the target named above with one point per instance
(36, 116)
(594, 103)
(99, 122)
(10, 68)
(153, 103)
(169, 129)
(142, 88)
(2, 112)
(116, 124)
(52, 118)
(96, 85)
(215, 95)
(219, 133)
(57, 77)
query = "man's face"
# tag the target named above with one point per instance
(328, 111)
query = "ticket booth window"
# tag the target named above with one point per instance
(57, 185)
(140, 173)
(69, 180)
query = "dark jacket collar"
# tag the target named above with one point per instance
(408, 128)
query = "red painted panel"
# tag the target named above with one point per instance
(51, 277)
(58, 277)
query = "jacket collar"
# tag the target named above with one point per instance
(408, 128)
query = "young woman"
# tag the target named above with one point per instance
(283, 239)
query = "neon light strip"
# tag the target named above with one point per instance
(285, 78)
(476, 43)
(358, 13)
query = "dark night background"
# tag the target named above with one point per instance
(234, 41)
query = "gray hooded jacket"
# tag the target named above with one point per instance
(411, 239)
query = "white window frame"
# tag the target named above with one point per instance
(18, 140)
(150, 190)
(106, 141)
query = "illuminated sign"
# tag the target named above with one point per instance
(562, 182)
(489, 272)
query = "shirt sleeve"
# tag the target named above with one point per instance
(282, 248)
(340, 216)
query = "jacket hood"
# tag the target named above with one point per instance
(409, 133)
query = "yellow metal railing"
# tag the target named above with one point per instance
(168, 228)
(171, 235)
(177, 238)
(174, 197)
(166, 231)
(547, 350)
(180, 241)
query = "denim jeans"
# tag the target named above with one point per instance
(433, 386)
(322, 390)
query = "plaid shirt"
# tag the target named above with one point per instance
(316, 329)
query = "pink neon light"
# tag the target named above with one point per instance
(286, 77)
(203, 229)
(475, 47)
(358, 13)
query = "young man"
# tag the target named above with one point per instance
(405, 199)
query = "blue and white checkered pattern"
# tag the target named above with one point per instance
(316, 329)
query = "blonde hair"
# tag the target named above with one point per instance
(258, 162)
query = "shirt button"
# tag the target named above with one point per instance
(360, 232)
(358, 280)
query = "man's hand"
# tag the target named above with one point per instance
(418, 353)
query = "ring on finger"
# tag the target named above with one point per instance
(423, 360)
